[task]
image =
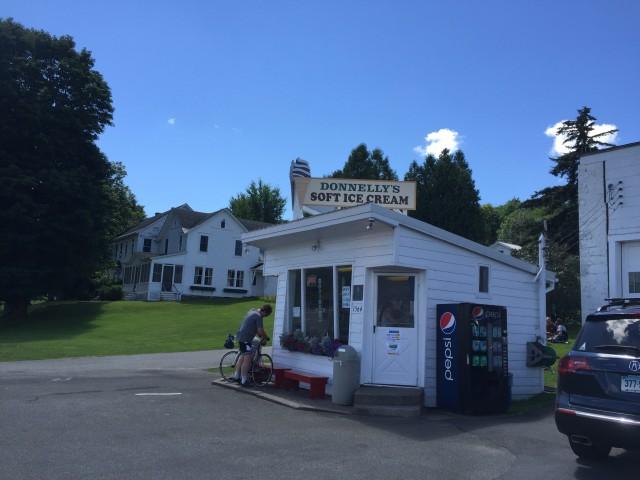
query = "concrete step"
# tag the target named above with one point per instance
(389, 410)
(169, 296)
(388, 396)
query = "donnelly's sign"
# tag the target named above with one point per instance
(342, 192)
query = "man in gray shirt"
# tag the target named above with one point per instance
(250, 327)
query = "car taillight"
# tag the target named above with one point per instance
(572, 365)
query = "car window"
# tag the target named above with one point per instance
(620, 331)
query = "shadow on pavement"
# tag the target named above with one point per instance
(620, 464)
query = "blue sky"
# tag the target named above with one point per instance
(209, 95)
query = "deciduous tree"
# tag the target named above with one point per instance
(260, 202)
(54, 178)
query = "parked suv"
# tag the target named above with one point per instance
(598, 400)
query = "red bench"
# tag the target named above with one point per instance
(278, 376)
(316, 383)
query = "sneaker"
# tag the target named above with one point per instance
(246, 384)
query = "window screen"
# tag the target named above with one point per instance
(177, 274)
(157, 272)
(634, 282)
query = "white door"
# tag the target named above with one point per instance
(395, 337)
(631, 269)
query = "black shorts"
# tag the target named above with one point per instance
(245, 347)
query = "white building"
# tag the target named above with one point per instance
(332, 270)
(609, 212)
(182, 253)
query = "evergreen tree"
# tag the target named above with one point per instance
(366, 165)
(447, 197)
(260, 202)
(561, 202)
(54, 178)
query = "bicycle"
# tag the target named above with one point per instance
(261, 369)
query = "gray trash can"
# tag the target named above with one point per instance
(346, 375)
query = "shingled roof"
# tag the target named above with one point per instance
(190, 218)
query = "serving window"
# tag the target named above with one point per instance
(318, 302)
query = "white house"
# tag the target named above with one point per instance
(609, 213)
(333, 270)
(182, 253)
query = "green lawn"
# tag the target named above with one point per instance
(74, 329)
(550, 374)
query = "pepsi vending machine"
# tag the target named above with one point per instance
(472, 358)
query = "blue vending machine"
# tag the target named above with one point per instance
(472, 358)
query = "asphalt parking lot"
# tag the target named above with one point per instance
(108, 422)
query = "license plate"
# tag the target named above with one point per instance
(630, 383)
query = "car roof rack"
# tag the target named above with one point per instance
(618, 302)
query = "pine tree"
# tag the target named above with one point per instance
(561, 202)
(366, 165)
(446, 194)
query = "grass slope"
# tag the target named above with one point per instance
(74, 329)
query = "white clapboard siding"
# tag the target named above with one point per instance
(600, 247)
(513, 288)
(361, 251)
(448, 272)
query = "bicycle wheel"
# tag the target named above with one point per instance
(228, 364)
(262, 370)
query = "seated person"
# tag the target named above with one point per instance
(561, 335)
(551, 328)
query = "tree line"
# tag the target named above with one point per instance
(64, 200)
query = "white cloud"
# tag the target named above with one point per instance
(437, 141)
(171, 121)
(560, 148)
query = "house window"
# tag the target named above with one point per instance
(197, 276)
(254, 282)
(204, 243)
(126, 249)
(223, 224)
(157, 272)
(235, 278)
(147, 245)
(166, 246)
(208, 276)
(483, 279)
(634, 282)
(177, 274)
(180, 244)
(238, 248)
(120, 255)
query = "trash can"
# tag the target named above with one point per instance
(346, 375)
